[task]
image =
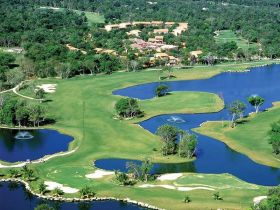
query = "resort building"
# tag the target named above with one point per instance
(110, 27)
(133, 33)
(105, 51)
(141, 23)
(169, 24)
(161, 31)
(196, 53)
(71, 48)
(157, 23)
(124, 25)
(180, 29)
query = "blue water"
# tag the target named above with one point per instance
(44, 142)
(14, 197)
(213, 156)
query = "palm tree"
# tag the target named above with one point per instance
(42, 188)
(57, 192)
(86, 192)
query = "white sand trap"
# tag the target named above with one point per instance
(99, 174)
(162, 185)
(170, 177)
(48, 88)
(54, 185)
(171, 187)
(194, 188)
(258, 199)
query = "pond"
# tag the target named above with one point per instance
(14, 196)
(213, 156)
(22, 145)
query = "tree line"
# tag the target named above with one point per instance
(14, 112)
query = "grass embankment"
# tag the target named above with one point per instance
(98, 135)
(224, 36)
(249, 137)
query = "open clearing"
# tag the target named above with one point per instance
(224, 36)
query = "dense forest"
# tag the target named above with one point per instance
(256, 20)
(45, 33)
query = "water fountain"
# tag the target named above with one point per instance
(23, 135)
(175, 119)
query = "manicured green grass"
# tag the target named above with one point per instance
(250, 137)
(228, 36)
(83, 108)
(92, 17)
(216, 181)
(182, 102)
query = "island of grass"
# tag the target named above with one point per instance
(83, 108)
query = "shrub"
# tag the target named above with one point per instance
(128, 108)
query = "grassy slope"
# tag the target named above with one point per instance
(228, 36)
(250, 137)
(104, 137)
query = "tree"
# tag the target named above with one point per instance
(57, 192)
(44, 206)
(272, 202)
(140, 172)
(187, 199)
(40, 93)
(187, 145)
(6, 59)
(14, 173)
(168, 134)
(217, 196)
(21, 113)
(87, 192)
(42, 188)
(236, 110)
(122, 178)
(36, 114)
(274, 137)
(128, 108)
(169, 71)
(256, 102)
(134, 65)
(161, 90)
(27, 173)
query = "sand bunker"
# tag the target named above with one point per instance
(169, 177)
(99, 174)
(171, 187)
(54, 185)
(193, 188)
(48, 88)
(258, 199)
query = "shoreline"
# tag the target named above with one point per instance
(52, 198)
(40, 160)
